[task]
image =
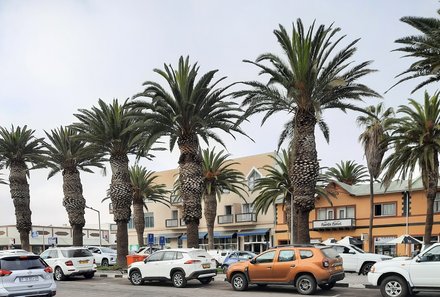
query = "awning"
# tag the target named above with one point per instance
(201, 235)
(225, 234)
(170, 235)
(253, 232)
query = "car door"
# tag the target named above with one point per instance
(349, 256)
(151, 268)
(50, 257)
(425, 270)
(285, 266)
(167, 263)
(260, 268)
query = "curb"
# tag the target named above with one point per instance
(355, 286)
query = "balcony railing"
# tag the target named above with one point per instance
(225, 219)
(171, 223)
(246, 217)
(334, 224)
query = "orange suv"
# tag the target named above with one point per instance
(304, 266)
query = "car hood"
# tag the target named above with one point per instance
(377, 256)
(400, 262)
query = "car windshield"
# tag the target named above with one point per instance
(79, 253)
(108, 251)
(357, 249)
(21, 263)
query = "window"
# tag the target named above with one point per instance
(305, 254)
(228, 209)
(330, 213)
(174, 214)
(169, 256)
(286, 256)
(437, 203)
(252, 179)
(385, 209)
(247, 208)
(322, 215)
(149, 220)
(346, 212)
(266, 258)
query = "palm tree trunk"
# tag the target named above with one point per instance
(304, 170)
(210, 214)
(74, 203)
(191, 186)
(370, 226)
(433, 176)
(19, 189)
(121, 197)
(138, 218)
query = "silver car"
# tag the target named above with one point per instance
(25, 274)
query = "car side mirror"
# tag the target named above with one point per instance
(145, 260)
(253, 261)
(421, 258)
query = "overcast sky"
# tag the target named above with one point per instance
(59, 56)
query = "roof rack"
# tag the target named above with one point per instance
(295, 245)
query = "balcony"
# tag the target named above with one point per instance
(334, 224)
(246, 217)
(225, 219)
(171, 223)
(182, 223)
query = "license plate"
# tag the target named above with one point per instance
(28, 278)
(83, 261)
(206, 265)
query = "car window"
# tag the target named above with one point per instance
(338, 248)
(167, 256)
(179, 255)
(108, 250)
(76, 253)
(233, 256)
(330, 253)
(155, 257)
(21, 263)
(266, 257)
(53, 254)
(305, 254)
(44, 254)
(433, 255)
(286, 256)
(94, 250)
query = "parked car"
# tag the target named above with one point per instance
(304, 266)
(70, 261)
(177, 265)
(236, 256)
(403, 277)
(147, 250)
(15, 251)
(103, 256)
(356, 259)
(25, 274)
(219, 255)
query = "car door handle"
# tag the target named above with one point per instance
(269, 267)
(292, 266)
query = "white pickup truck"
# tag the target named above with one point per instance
(355, 259)
(403, 277)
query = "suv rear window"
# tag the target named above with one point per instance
(21, 263)
(79, 253)
(330, 252)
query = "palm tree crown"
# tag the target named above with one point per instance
(348, 172)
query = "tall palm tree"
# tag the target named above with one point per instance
(376, 125)
(145, 189)
(311, 79)
(415, 139)
(192, 110)
(112, 129)
(348, 172)
(18, 147)
(218, 176)
(425, 48)
(69, 155)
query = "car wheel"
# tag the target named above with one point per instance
(327, 286)
(104, 262)
(58, 274)
(179, 280)
(239, 282)
(394, 286)
(306, 285)
(89, 275)
(205, 280)
(136, 278)
(366, 267)
(225, 268)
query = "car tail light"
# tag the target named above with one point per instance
(192, 262)
(326, 263)
(69, 263)
(48, 269)
(5, 272)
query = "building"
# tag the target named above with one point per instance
(237, 225)
(398, 210)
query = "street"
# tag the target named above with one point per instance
(120, 287)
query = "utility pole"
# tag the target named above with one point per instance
(99, 222)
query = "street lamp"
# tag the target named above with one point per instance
(99, 222)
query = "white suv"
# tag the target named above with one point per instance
(355, 259)
(25, 274)
(103, 256)
(177, 265)
(398, 278)
(70, 261)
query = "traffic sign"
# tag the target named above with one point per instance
(150, 238)
(162, 240)
(34, 234)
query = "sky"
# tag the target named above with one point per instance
(60, 56)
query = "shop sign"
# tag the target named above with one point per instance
(330, 224)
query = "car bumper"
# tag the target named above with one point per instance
(333, 278)
(373, 278)
(202, 274)
(48, 291)
(80, 272)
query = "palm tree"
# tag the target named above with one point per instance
(69, 155)
(415, 139)
(218, 176)
(309, 82)
(376, 125)
(145, 190)
(18, 147)
(425, 48)
(112, 129)
(348, 172)
(192, 110)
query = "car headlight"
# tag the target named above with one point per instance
(373, 269)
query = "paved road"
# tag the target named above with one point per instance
(109, 287)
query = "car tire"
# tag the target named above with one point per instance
(104, 262)
(179, 280)
(306, 284)
(394, 286)
(225, 268)
(366, 267)
(58, 274)
(239, 282)
(89, 275)
(327, 286)
(136, 278)
(205, 280)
